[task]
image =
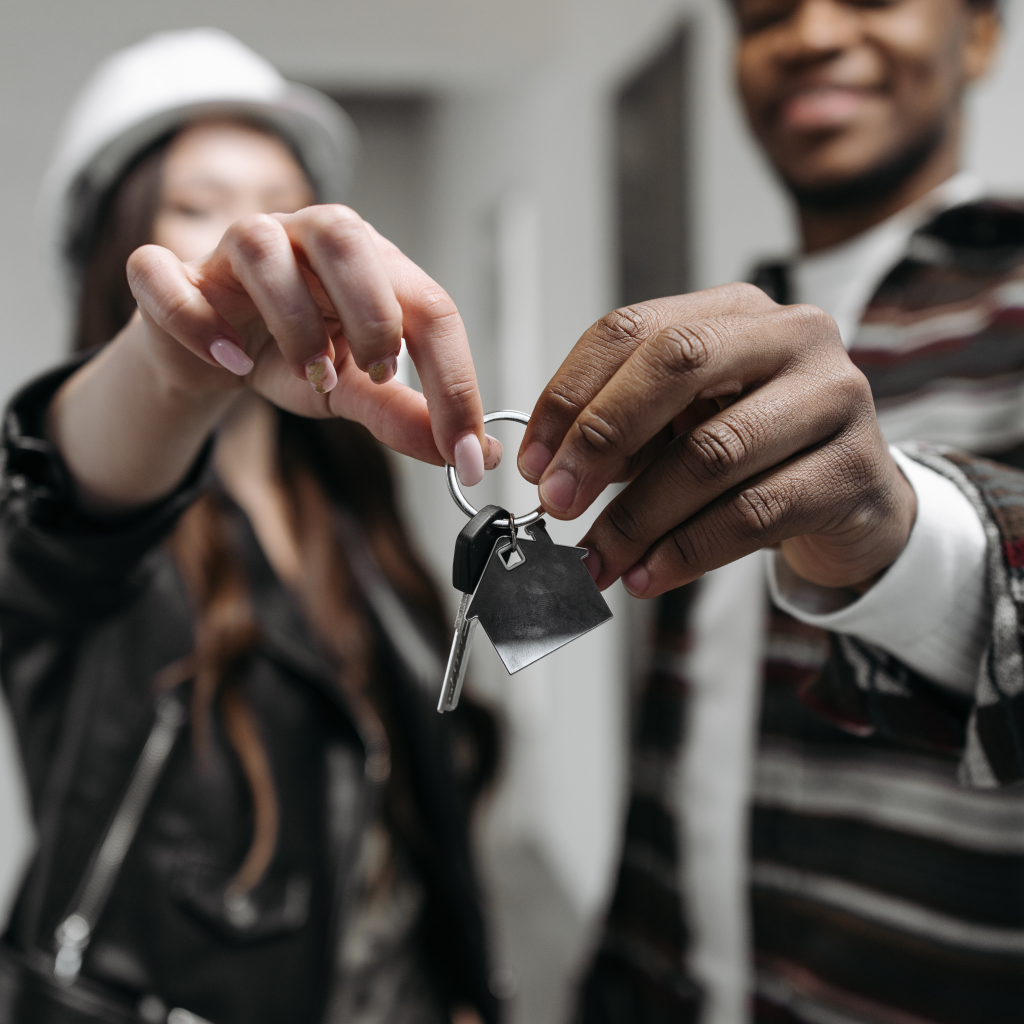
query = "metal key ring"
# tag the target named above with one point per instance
(460, 499)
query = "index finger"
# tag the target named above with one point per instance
(597, 356)
(437, 342)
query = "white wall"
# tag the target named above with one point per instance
(523, 119)
(995, 138)
(523, 168)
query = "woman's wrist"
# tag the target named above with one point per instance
(128, 431)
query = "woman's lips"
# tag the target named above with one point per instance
(822, 108)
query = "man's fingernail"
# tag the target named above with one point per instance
(230, 356)
(494, 452)
(593, 563)
(534, 461)
(559, 490)
(321, 374)
(381, 372)
(469, 460)
(637, 580)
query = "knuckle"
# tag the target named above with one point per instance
(843, 398)
(336, 230)
(460, 392)
(438, 307)
(256, 237)
(748, 295)
(377, 329)
(550, 404)
(628, 325)
(435, 314)
(854, 386)
(600, 433)
(759, 509)
(718, 449)
(812, 323)
(851, 405)
(805, 338)
(681, 350)
(566, 395)
(623, 519)
(337, 213)
(690, 544)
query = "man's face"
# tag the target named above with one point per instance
(836, 89)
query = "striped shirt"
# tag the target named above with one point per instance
(887, 877)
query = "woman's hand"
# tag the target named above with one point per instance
(309, 309)
(741, 424)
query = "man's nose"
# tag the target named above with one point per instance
(820, 28)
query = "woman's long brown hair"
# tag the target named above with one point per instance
(322, 464)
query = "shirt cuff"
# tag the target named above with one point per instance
(930, 609)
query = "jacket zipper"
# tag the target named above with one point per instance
(75, 931)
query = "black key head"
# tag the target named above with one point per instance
(474, 545)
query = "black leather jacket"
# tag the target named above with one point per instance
(90, 612)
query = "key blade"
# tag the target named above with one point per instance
(458, 659)
(460, 676)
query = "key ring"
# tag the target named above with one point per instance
(460, 499)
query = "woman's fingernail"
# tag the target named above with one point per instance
(321, 374)
(381, 372)
(559, 490)
(230, 356)
(469, 460)
(494, 452)
(592, 560)
(534, 461)
(637, 580)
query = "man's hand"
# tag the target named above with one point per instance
(739, 423)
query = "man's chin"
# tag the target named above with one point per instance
(851, 188)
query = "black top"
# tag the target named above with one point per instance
(90, 611)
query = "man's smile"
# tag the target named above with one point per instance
(824, 107)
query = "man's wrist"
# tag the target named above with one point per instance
(856, 563)
(929, 608)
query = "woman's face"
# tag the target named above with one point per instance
(216, 172)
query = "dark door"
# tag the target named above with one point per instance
(651, 140)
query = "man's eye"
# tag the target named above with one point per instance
(756, 15)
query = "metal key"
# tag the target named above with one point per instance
(531, 596)
(473, 548)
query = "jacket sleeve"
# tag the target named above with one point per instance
(868, 691)
(62, 570)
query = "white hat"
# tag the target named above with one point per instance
(141, 93)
